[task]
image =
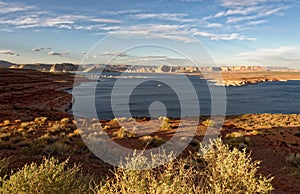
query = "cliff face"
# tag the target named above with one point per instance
(64, 67)
(242, 68)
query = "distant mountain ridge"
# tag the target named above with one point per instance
(69, 67)
(61, 67)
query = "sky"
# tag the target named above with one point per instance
(231, 32)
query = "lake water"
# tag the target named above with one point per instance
(268, 97)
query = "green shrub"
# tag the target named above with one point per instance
(48, 177)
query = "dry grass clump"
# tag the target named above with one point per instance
(123, 133)
(165, 125)
(4, 167)
(238, 140)
(294, 162)
(48, 177)
(6, 122)
(148, 140)
(232, 171)
(219, 170)
(294, 159)
(208, 123)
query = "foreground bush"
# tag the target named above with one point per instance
(232, 171)
(48, 177)
(219, 170)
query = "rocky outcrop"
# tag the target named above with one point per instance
(241, 68)
(243, 82)
(5, 64)
(64, 67)
(38, 67)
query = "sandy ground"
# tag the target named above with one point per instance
(26, 94)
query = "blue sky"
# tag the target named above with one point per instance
(234, 32)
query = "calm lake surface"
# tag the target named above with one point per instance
(144, 89)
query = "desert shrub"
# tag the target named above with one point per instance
(219, 170)
(165, 123)
(123, 133)
(3, 168)
(5, 136)
(208, 123)
(40, 120)
(48, 177)
(6, 122)
(148, 140)
(294, 163)
(232, 171)
(121, 119)
(238, 140)
(58, 148)
(294, 159)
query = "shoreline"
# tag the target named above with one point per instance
(238, 79)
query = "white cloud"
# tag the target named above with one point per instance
(258, 22)
(120, 12)
(212, 36)
(8, 52)
(214, 25)
(263, 13)
(283, 56)
(156, 31)
(191, 0)
(52, 53)
(177, 17)
(238, 11)
(62, 22)
(11, 7)
(102, 20)
(240, 3)
(30, 21)
(174, 32)
(272, 52)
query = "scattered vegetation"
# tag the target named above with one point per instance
(48, 177)
(218, 170)
(259, 121)
(238, 140)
